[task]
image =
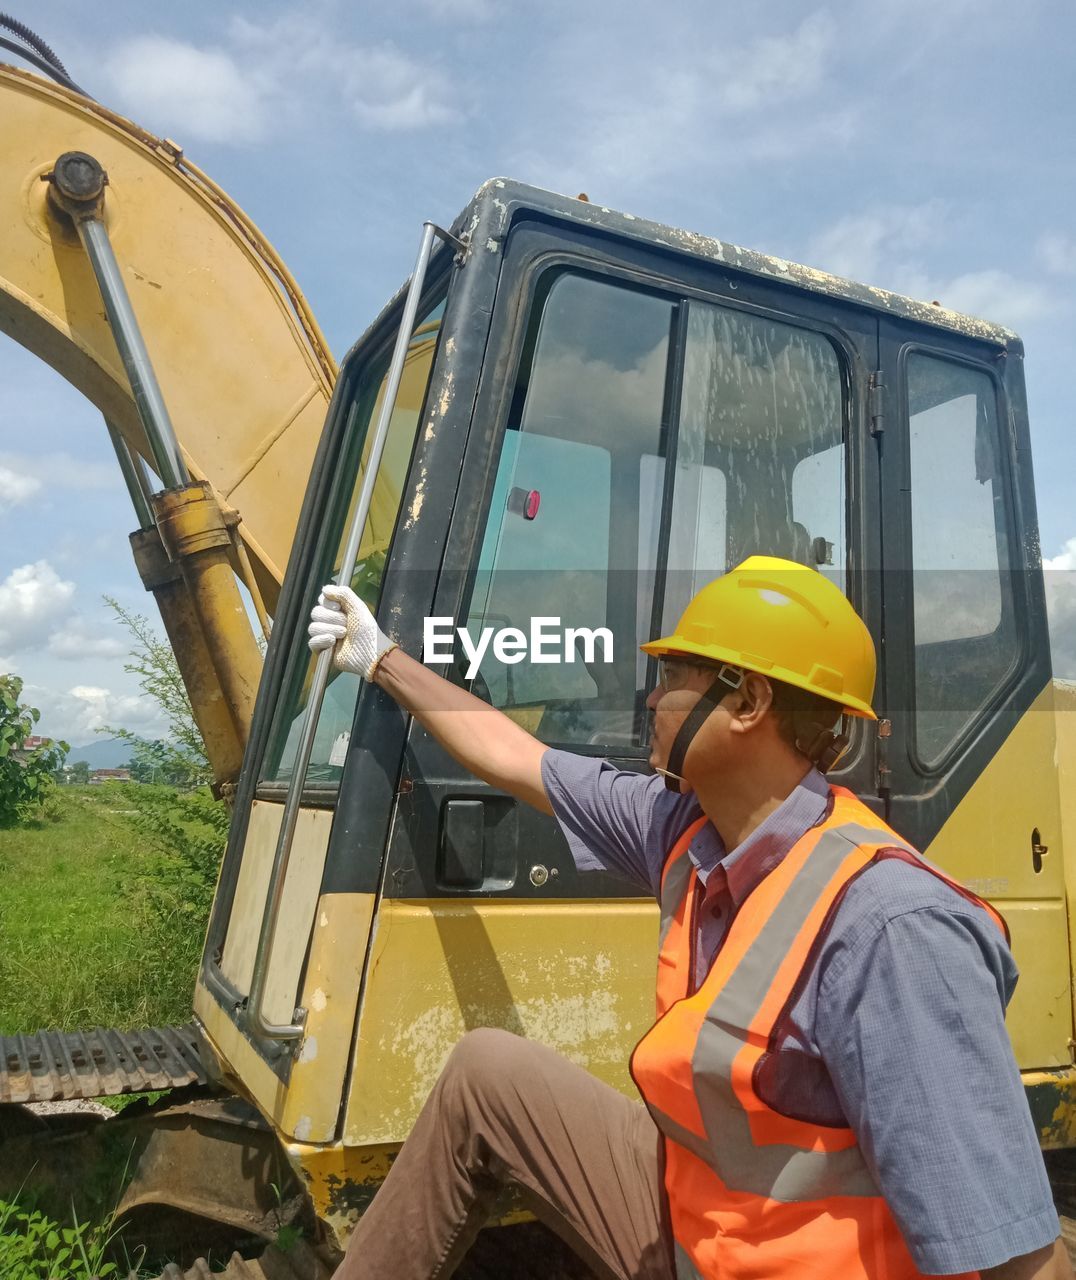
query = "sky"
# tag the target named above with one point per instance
(925, 146)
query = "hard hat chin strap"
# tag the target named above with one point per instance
(728, 679)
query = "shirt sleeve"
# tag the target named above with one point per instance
(613, 819)
(911, 1026)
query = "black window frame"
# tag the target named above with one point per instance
(957, 748)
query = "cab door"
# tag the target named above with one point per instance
(972, 772)
(316, 959)
(642, 424)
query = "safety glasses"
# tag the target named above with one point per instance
(675, 673)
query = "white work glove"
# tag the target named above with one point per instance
(340, 618)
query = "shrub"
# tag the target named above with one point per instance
(188, 830)
(26, 773)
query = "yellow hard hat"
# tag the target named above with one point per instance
(786, 621)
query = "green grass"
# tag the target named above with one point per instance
(85, 942)
(102, 914)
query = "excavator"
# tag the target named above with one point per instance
(565, 412)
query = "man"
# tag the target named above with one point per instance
(829, 1086)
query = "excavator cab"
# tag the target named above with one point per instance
(596, 416)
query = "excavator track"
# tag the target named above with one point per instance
(527, 1251)
(51, 1066)
(298, 1262)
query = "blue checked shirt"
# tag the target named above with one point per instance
(900, 1031)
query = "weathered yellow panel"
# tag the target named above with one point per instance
(986, 844)
(1065, 720)
(578, 976)
(308, 1109)
(341, 1181)
(301, 888)
(330, 997)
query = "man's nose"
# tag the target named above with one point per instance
(655, 697)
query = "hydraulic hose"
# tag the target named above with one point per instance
(39, 54)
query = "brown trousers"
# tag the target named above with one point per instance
(585, 1159)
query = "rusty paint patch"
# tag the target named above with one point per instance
(1051, 1096)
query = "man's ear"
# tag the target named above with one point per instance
(753, 702)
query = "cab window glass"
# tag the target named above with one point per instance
(570, 531)
(964, 620)
(338, 708)
(760, 463)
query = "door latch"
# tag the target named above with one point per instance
(1038, 850)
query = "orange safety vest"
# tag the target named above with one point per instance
(754, 1194)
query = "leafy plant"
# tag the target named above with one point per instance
(188, 830)
(34, 1246)
(287, 1237)
(26, 773)
(181, 759)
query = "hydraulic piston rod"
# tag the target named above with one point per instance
(186, 543)
(77, 188)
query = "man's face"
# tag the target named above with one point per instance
(681, 683)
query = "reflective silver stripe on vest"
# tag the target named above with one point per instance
(776, 1171)
(685, 1268)
(676, 882)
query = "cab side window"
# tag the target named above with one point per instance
(338, 708)
(760, 464)
(966, 636)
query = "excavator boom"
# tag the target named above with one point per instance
(211, 295)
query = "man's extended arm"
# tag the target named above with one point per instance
(484, 740)
(481, 738)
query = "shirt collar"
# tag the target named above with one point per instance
(753, 859)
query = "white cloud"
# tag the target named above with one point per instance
(1064, 560)
(456, 11)
(1059, 573)
(867, 246)
(77, 714)
(62, 470)
(77, 639)
(997, 295)
(33, 599)
(387, 90)
(304, 68)
(778, 68)
(200, 93)
(16, 487)
(891, 248)
(675, 102)
(1056, 251)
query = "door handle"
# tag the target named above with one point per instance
(462, 855)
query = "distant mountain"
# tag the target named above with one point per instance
(106, 753)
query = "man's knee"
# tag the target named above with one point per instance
(483, 1058)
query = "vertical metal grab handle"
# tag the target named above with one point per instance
(256, 1019)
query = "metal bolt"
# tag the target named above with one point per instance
(77, 185)
(539, 875)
